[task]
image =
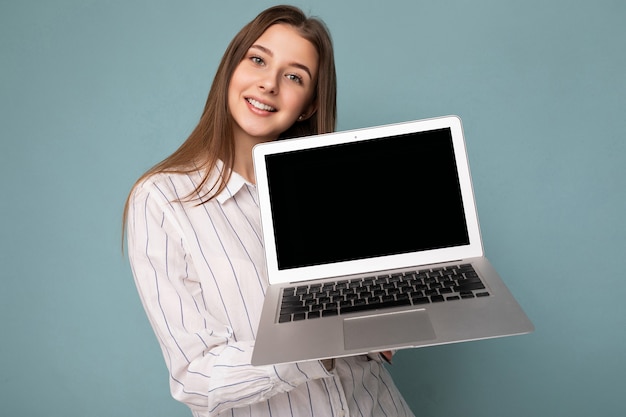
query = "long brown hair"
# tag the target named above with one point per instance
(212, 139)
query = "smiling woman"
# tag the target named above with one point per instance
(212, 141)
(194, 236)
(270, 90)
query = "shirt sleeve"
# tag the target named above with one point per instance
(209, 370)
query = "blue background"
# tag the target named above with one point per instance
(92, 93)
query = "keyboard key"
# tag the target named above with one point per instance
(380, 281)
(331, 306)
(291, 300)
(373, 300)
(437, 298)
(365, 307)
(401, 297)
(317, 307)
(293, 309)
(314, 315)
(470, 286)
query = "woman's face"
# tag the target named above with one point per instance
(273, 85)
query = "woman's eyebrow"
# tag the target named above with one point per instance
(293, 64)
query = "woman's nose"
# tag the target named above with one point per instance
(269, 84)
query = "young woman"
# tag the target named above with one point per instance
(194, 238)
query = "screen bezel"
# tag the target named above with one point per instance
(382, 263)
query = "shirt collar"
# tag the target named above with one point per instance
(234, 185)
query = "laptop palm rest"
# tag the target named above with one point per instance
(388, 329)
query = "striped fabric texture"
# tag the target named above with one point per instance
(200, 274)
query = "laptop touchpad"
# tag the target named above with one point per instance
(387, 330)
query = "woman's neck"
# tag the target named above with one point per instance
(243, 163)
(243, 166)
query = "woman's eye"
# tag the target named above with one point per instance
(257, 60)
(295, 78)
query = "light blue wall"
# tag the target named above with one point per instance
(94, 92)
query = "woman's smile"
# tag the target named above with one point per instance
(260, 106)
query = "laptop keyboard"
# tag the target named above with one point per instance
(415, 288)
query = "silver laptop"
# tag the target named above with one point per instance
(372, 243)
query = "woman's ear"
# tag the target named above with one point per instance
(308, 112)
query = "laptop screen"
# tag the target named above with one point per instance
(365, 199)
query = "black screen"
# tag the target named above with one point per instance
(368, 198)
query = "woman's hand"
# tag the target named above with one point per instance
(387, 355)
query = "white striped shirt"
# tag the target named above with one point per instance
(200, 273)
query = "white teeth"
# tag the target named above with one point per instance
(260, 105)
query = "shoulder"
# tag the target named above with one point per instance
(164, 188)
(194, 186)
(169, 183)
